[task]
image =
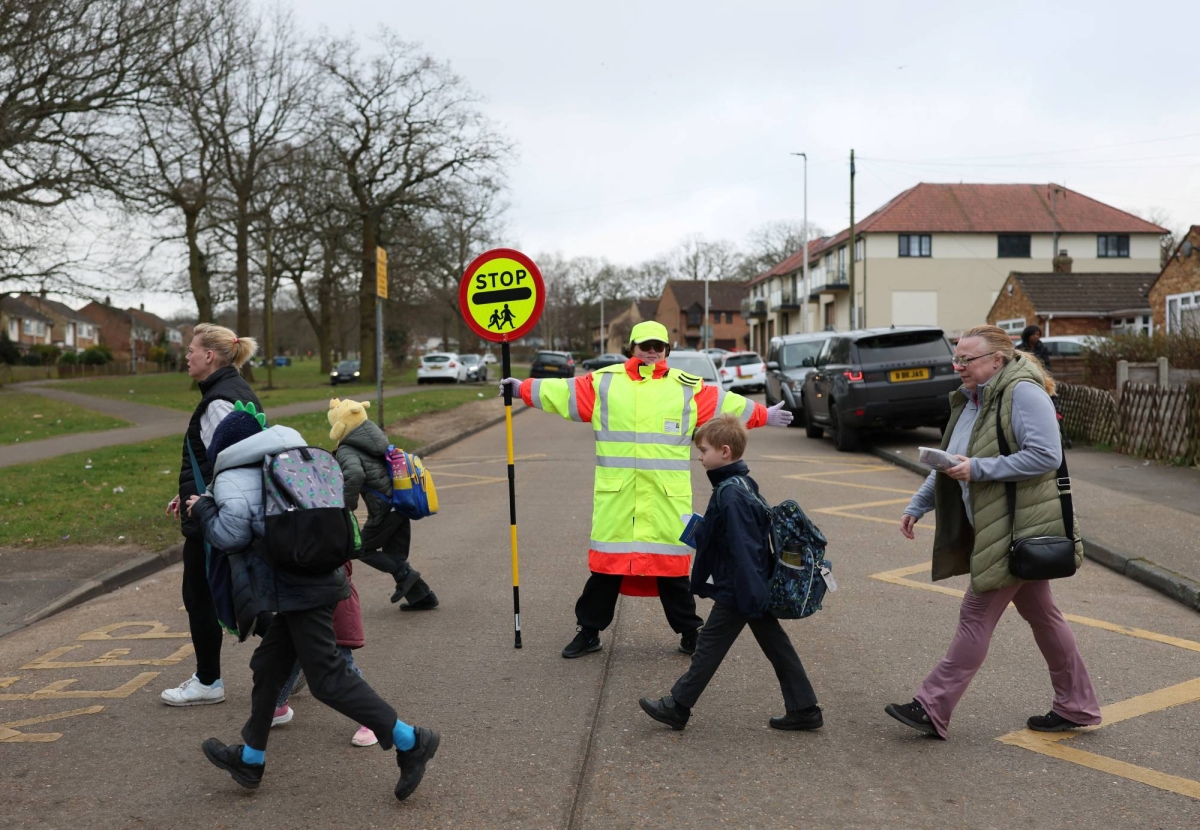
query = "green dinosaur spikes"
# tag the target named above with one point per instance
(252, 410)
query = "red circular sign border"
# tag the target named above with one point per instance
(534, 272)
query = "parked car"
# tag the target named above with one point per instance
(879, 379)
(441, 366)
(715, 353)
(552, 365)
(694, 363)
(744, 371)
(1071, 345)
(476, 368)
(489, 358)
(600, 361)
(345, 372)
(790, 359)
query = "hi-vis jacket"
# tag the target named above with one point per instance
(643, 418)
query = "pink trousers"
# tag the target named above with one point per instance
(1074, 697)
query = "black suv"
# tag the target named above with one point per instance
(552, 365)
(790, 359)
(879, 379)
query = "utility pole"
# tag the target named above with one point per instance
(704, 323)
(854, 323)
(603, 339)
(804, 236)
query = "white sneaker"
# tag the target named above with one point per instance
(364, 737)
(192, 692)
(283, 714)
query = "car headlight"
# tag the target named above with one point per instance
(333, 374)
(356, 374)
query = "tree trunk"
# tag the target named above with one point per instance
(242, 275)
(325, 306)
(197, 268)
(366, 299)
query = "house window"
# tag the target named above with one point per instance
(1112, 245)
(916, 244)
(841, 263)
(860, 249)
(1013, 245)
(1183, 313)
(695, 317)
(716, 317)
(728, 316)
(1140, 324)
(1013, 326)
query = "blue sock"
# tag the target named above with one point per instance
(403, 736)
(253, 756)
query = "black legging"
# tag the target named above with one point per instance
(202, 614)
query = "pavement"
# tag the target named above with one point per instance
(1138, 517)
(531, 740)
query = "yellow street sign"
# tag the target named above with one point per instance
(501, 295)
(381, 273)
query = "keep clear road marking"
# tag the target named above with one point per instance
(1051, 744)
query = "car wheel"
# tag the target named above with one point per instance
(845, 438)
(811, 429)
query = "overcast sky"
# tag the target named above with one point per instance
(640, 123)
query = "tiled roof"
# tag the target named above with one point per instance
(722, 296)
(16, 308)
(147, 319)
(793, 263)
(61, 309)
(1092, 293)
(647, 307)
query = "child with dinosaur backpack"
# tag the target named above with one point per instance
(362, 448)
(734, 566)
(299, 581)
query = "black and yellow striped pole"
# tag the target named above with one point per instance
(501, 297)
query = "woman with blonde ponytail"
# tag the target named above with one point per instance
(1003, 390)
(214, 360)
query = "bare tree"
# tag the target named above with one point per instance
(771, 243)
(401, 127)
(696, 258)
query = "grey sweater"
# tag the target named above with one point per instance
(1035, 425)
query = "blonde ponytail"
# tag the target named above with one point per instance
(230, 350)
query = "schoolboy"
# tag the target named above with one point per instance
(733, 567)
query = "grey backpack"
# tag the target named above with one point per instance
(309, 530)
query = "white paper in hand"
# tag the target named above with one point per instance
(938, 459)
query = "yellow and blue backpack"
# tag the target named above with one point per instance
(413, 492)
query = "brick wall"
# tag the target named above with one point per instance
(1061, 326)
(1182, 275)
(1012, 306)
(727, 335)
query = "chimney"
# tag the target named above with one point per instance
(42, 293)
(1062, 262)
(108, 300)
(142, 306)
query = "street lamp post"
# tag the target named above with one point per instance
(804, 236)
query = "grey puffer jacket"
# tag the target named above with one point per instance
(234, 522)
(360, 455)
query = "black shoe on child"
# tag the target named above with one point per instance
(1051, 722)
(404, 584)
(427, 604)
(809, 718)
(666, 710)
(687, 641)
(585, 642)
(412, 761)
(912, 714)
(229, 758)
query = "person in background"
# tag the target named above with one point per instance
(1031, 343)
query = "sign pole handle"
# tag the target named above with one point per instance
(506, 371)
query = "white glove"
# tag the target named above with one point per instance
(514, 384)
(777, 416)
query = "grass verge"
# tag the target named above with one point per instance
(74, 500)
(25, 417)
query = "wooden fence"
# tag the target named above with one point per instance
(1148, 421)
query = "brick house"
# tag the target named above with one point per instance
(71, 331)
(122, 330)
(1175, 296)
(1070, 303)
(681, 310)
(26, 326)
(616, 334)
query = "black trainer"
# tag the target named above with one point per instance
(666, 710)
(912, 714)
(1051, 722)
(427, 604)
(412, 762)
(809, 718)
(585, 642)
(687, 641)
(405, 584)
(229, 758)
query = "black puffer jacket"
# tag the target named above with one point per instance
(361, 456)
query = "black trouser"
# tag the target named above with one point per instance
(598, 602)
(202, 614)
(385, 547)
(719, 632)
(308, 636)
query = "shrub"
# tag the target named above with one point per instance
(47, 355)
(68, 358)
(9, 353)
(96, 356)
(31, 358)
(1100, 361)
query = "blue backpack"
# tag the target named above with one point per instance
(802, 574)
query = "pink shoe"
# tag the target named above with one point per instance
(364, 737)
(282, 715)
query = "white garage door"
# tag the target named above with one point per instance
(914, 308)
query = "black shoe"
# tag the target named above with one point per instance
(229, 758)
(428, 604)
(412, 762)
(405, 584)
(585, 642)
(666, 710)
(912, 714)
(1051, 722)
(809, 718)
(687, 641)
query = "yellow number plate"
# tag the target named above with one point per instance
(901, 375)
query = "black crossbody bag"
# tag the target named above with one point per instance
(1039, 557)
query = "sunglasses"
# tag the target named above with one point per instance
(652, 346)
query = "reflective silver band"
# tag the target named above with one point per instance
(640, 547)
(535, 393)
(644, 463)
(605, 381)
(630, 437)
(747, 411)
(687, 409)
(572, 403)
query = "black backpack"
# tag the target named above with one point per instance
(309, 530)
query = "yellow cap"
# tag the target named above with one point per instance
(649, 330)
